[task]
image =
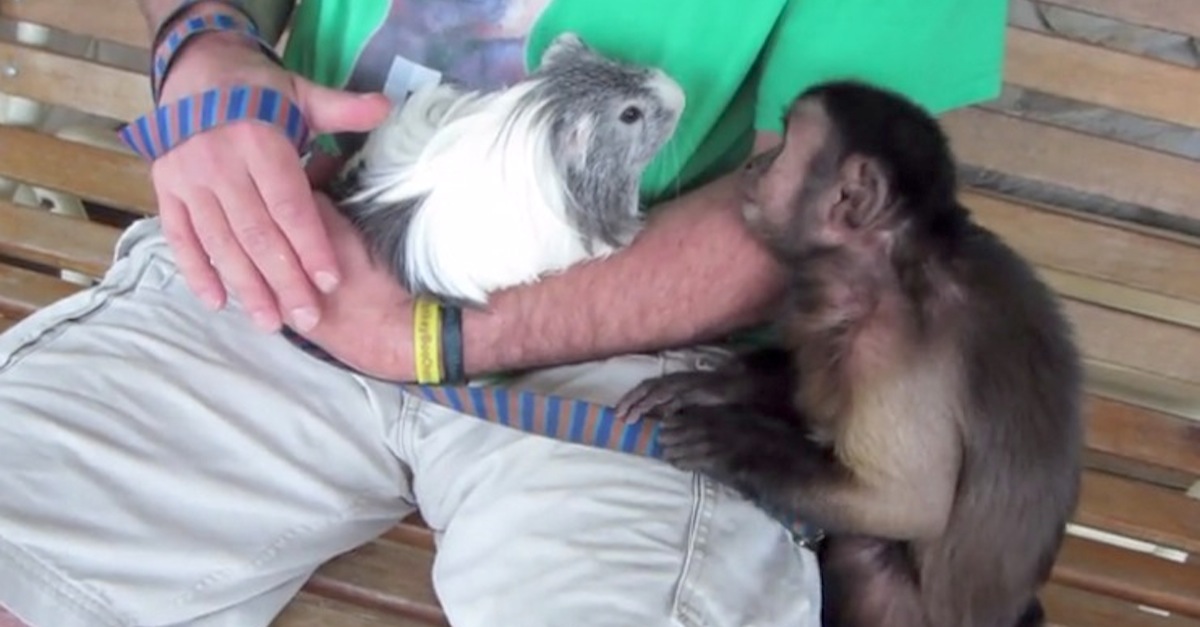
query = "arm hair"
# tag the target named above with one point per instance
(693, 274)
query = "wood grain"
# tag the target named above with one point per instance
(56, 240)
(74, 83)
(120, 180)
(1142, 434)
(310, 610)
(22, 292)
(1136, 342)
(1094, 74)
(1176, 16)
(115, 20)
(1123, 574)
(1137, 510)
(1071, 607)
(384, 576)
(1093, 248)
(1048, 154)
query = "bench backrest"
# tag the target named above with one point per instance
(1087, 164)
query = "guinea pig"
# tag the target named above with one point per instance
(464, 192)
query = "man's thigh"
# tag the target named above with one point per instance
(541, 533)
(162, 464)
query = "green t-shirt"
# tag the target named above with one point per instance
(740, 62)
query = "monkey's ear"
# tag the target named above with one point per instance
(864, 193)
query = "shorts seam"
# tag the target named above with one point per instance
(269, 552)
(99, 298)
(77, 595)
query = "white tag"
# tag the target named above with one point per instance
(404, 77)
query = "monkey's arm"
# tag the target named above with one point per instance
(895, 484)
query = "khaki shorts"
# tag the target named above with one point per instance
(161, 464)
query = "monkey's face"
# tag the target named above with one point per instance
(772, 180)
(814, 190)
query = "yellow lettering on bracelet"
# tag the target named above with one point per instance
(427, 339)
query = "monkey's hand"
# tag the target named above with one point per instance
(755, 453)
(660, 397)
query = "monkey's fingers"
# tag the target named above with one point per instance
(652, 398)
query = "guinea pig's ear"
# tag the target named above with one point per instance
(564, 45)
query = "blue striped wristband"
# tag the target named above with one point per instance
(172, 42)
(156, 133)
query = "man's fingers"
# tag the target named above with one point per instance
(193, 262)
(289, 201)
(232, 261)
(332, 110)
(270, 251)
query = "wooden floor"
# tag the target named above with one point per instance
(1089, 164)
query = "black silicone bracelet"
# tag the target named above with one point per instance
(452, 345)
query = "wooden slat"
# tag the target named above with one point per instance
(1047, 154)
(1142, 434)
(383, 575)
(22, 291)
(413, 532)
(115, 20)
(1087, 247)
(56, 240)
(71, 82)
(1135, 577)
(1139, 510)
(310, 610)
(1177, 16)
(1088, 73)
(1070, 607)
(1134, 342)
(120, 180)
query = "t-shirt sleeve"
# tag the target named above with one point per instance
(943, 54)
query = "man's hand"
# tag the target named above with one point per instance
(368, 321)
(236, 205)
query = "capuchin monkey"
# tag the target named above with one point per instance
(923, 403)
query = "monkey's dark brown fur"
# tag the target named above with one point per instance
(924, 404)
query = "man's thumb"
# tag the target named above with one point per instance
(334, 111)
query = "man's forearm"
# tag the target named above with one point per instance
(693, 274)
(270, 15)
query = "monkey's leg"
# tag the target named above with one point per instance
(898, 493)
(869, 583)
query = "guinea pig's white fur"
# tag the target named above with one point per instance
(484, 203)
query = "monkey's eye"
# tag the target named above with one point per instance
(631, 114)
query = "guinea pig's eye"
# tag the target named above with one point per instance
(631, 114)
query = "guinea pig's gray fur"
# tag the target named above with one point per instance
(463, 193)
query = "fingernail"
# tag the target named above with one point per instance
(305, 318)
(211, 301)
(264, 321)
(326, 282)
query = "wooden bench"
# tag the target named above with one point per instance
(1087, 164)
